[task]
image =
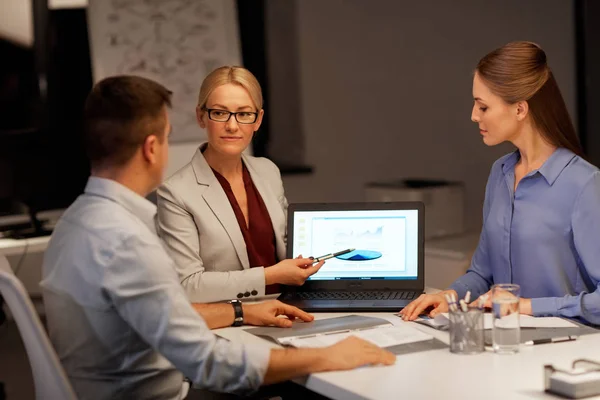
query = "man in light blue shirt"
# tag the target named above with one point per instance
(117, 316)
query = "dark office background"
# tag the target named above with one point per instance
(587, 28)
(322, 65)
(43, 163)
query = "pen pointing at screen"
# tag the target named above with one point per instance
(331, 255)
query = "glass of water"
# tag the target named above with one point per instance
(506, 331)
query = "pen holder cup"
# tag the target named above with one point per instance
(466, 331)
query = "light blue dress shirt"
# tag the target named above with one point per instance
(544, 237)
(118, 318)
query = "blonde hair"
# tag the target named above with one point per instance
(236, 75)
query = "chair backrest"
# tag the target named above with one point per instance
(48, 375)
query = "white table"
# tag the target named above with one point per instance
(439, 374)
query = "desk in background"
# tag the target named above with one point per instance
(25, 255)
(448, 258)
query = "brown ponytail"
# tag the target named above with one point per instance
(518, 71)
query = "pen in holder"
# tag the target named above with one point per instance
(466, 330)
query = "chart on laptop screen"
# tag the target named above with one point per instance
(385, 242)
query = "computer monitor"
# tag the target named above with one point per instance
(385, 239)
(43, 165)
(28, 182)
(383, 244)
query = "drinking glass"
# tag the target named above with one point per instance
(506, 330)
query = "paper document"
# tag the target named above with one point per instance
(440, 322)
(528, 321)
(382, 336)
(525, 321)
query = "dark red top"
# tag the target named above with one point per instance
(258, 234)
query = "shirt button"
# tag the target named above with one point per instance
(247, 294)
(254, 293)
(240, 295)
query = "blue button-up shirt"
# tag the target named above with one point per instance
(118, 318)
(544, 237)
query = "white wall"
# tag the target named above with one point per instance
(175, 42)
(16, 22)
(56, 4)
(16, 18)
(386, 88)
(180, 154)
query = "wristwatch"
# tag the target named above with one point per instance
(239, 313)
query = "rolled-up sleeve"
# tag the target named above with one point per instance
(143, 286)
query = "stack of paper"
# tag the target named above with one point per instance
(525, 321)
(382, 336)
(328, 331)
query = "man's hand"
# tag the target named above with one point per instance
(268, 314)
(353, 352)
(350, 353)
(425, 301)
(291, 271)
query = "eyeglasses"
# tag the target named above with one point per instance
(243, 117)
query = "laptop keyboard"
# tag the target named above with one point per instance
(342, 295)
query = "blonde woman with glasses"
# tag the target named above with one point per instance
(223, 216)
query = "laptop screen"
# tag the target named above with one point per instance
(384, 243)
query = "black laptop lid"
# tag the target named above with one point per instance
(387, 238)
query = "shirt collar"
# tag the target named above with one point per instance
(133, 202)
(550, 170)
(509, 164)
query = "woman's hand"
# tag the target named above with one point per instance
(291, 271)
(425, 301)
(524, 304)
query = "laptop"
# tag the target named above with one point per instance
(380, 266)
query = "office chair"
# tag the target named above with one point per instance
(49, 377)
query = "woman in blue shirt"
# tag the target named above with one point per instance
(541, 214)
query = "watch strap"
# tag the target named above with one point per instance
(238, 319)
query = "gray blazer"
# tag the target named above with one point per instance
(200, 230)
